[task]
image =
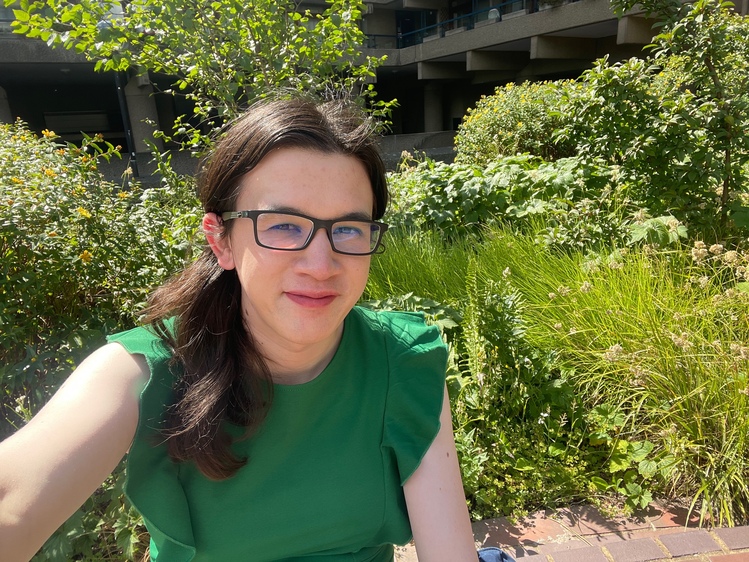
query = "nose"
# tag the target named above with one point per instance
(318, 259)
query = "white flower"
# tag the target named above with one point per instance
(699, 254)
(614, 352)
(731, 257)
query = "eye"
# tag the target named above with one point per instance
(285, 227)
(348, 230)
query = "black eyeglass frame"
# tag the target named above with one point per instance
(317, 224)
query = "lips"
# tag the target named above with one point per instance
(311, 299)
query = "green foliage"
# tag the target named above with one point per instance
(79, 255)
(222, 54)
(582, 377)
(523, 437)
(516, 119)
(572, 197)
(674, 124)
(661, 336)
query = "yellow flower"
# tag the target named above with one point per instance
(86, 256)
(122, 195)
(83, 212)
(48, 134)
(50, 173)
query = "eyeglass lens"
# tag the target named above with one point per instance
(289, 232)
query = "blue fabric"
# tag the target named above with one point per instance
(494, 554)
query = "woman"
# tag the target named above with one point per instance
(266, 417)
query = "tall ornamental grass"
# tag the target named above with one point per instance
(581, 377)
(665, 336)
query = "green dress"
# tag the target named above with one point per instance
(326, 468)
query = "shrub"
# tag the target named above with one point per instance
(79, 255)
(575, 199)
(674, 123)
(516, 119)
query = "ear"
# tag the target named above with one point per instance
(215, 234)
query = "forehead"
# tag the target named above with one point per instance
(308, 181)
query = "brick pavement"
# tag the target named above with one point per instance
(582, 534)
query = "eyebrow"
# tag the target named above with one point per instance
(356, 215)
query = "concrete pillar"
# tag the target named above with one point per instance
(458, 109)
(142, 107)
(432, 108)
(634, 30)
(5, 115)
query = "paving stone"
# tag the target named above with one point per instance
(535, 558)
(587, 520)
(537, 527)
(567, 544)
(603, 540)
(520, 551)
(587, 554)
(638, 550)
(689, 542)
(666, 515)
(735, 557)
(406, 553)
(734, 537)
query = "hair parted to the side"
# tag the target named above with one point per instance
(222, 376)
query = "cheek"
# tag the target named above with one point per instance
(361, 273)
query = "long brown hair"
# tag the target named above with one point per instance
(222, 376)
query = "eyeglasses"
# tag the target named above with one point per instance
(278, 230)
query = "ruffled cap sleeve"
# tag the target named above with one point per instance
(152, 480)
(417, 359)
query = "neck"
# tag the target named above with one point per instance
(297, 364)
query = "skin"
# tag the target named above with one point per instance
(295, 303)
(52, 465)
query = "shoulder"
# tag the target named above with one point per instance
(149, 341)
(401, 330)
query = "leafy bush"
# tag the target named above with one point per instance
(79, 255)
(573, 198)
(674, 124)
(517, 119)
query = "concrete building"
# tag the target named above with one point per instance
(442, 55)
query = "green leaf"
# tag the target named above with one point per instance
(524, 465)
(640, 450)
(21, 15)
(599, 483)
(647, 468)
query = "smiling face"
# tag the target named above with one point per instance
(296, 301)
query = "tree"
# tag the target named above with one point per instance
(674, 123)
(223, 54)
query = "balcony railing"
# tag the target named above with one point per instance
(479, 18)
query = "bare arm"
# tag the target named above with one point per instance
(436, 502)
(54, 463)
